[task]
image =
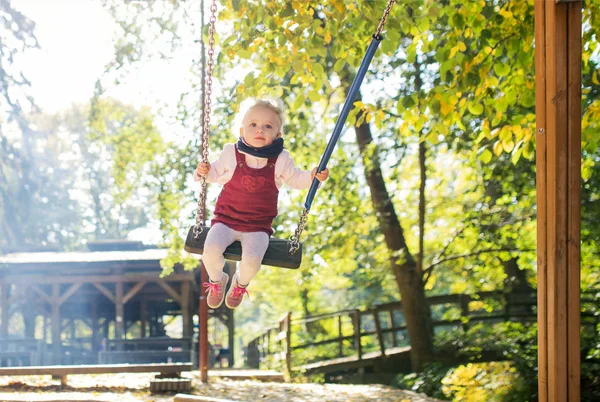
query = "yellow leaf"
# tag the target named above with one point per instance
(595, 78)
(445, 107)
(327, 37)
(453, 51)
(498, 148)
(461, 46)
(508, 146)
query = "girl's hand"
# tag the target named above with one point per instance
(320, 176)
(202, 169)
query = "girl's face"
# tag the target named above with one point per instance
(260, 127)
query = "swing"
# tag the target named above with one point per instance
(280, 253)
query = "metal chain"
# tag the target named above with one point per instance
(386, 14)
(295, 239)
(201, 209)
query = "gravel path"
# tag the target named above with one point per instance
(133, 388)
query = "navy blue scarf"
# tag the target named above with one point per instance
(270, 151)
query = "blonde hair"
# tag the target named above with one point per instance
(274, 105)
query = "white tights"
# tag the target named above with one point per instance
(220, 236)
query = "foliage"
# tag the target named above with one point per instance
(427, 382)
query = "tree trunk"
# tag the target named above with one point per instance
(410, 282)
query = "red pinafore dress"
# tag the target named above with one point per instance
(248, 202)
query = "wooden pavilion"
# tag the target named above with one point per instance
(103, 306)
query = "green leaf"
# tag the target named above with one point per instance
(485, 156)
(501, 69)
(339, 65)
(528, 99)
(248, 80)
(318, 70)
(475, 109)
(314, 96)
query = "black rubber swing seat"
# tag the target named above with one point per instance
(277, 254)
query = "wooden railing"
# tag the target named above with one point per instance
(382, 328)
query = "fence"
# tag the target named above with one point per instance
(382, 330)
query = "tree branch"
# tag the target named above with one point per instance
(430, 268)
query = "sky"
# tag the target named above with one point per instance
(76, 43)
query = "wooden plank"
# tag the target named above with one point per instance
(556, 101)
(105, 292)
(163, 368)
(132, 292)
(540, 111)
(574, 201)
(551, 197)
(69, 292)
(169, 290)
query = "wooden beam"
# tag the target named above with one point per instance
(105, 292)
(558, 166)
(540, 111)
(169, 290)
(41, 292)
(69, 292)
(119, 312)
(132, 292)
(574, 61)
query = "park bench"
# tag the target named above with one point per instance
(168, 378)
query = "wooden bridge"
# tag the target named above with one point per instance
(376, 338)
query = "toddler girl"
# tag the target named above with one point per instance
(251, 172)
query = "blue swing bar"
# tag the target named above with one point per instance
(339, 125)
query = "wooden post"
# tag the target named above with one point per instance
(378, 330)
(231, 339)
(357, 334)
(143, 318)
(94, 316)
(558, 166)
(56, 324)
(288, 345)
(4, 307)
(185, 309)
(340, 335)
(392, 325)
(203, 329)
(119, 314)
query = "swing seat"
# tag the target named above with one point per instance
(277, 254)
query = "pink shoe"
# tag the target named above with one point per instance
(236, 293)
(216, 291)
